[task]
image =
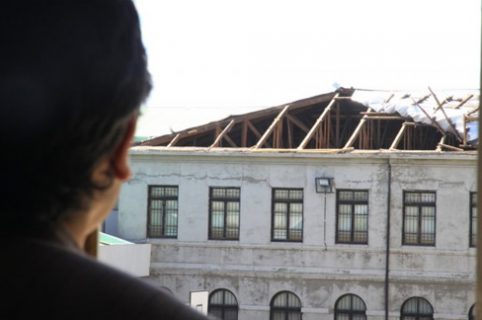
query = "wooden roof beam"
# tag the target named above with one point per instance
(447, 146)
(222, 134)
(440, 106)
(318, 121)
(253, 128)
(297, 122)
(230, 141)
(473, 111)
(435, 123)
(441, 142)
(266, 134)
(464, 101)
(355, 133)
(174, 140)
(399, 135)
(381, 114)
(386, 117)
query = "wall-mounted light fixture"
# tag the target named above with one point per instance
(324, 185)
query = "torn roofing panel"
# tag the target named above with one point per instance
(345, 120)
(448, 109)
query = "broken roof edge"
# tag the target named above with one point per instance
(147, 150)
(324, 97)
(457, 129)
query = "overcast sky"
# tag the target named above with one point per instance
(213, 58)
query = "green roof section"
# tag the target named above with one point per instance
(107, 239)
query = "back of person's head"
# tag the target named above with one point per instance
(72, 75)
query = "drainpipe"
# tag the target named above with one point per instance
(387, 249)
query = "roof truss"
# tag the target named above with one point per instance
(329, 121)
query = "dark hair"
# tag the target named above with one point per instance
(72, 74)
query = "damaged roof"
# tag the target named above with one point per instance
(345, 120)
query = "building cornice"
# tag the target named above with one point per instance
(287, 156)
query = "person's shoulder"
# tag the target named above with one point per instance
(65, 284)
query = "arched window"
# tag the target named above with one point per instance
(472, 312)
(350, 307)
(223, 305)
(416, 308)
(285, 306)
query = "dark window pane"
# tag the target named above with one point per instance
(281, 194)
(223, 305)
(287, 215)
(294, 316)
(286, 305)
(280, 300)
(224, 213)
(351, 307)
(428, 197)
(358, 304)
(345, 195)
(218, 192)
(216, 312)
(419, 218)
(163, 210)
(416, 308)
(293, 301)
(412, 197)
(352, 216)
(360, 196)
(296, 195)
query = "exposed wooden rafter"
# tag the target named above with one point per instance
(230, 141)
(399, 135)
(441, 108)
(473, 111)
(335, 121)
(435, 123)
(174, 140)
(355, 133)
(297, 122)
(313, 129)
(449, 147)
(266, 134)
(464, 101)
(222, 134)
(441, 143)
(253, 129)
(244, 134)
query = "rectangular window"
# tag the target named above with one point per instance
(352, 216)
(419, 218)
(287, 215)
(162, 212)
(224, 209)
(473, 219)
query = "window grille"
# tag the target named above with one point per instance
(162, 212)
(224, 210)
(223, 305)
(416, 308)
(350, 307)
(352, 216)
(285, 306)
(419, 218)
(287, 215)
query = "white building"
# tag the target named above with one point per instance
(393, 236)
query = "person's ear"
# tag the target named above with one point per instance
(120, 160)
